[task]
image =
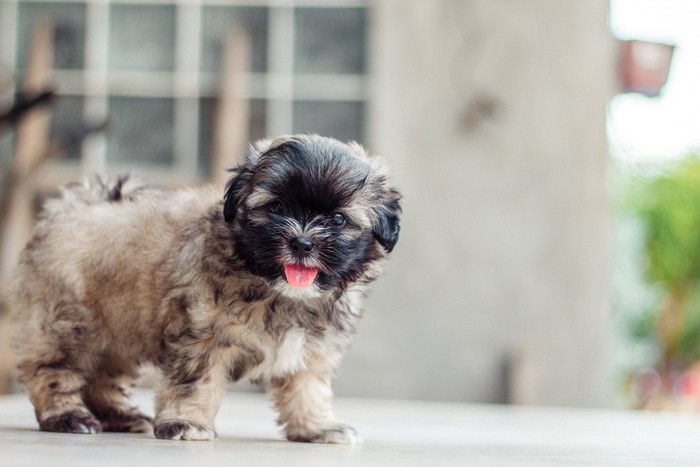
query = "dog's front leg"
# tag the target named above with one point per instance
(188, 400)
(303, 400)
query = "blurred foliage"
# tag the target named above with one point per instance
(688, 347)
(644, 325)
(668, 206)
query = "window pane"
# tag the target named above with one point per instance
(207, 114)
(217, 21)
(341, 120)
(69, 31)
(330, 40)
(141, 130)
(67, 124)
(142, 38)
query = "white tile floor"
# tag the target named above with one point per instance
(396, 434)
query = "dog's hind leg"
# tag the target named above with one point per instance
(108, 398)
(54, 384)
(54, 358)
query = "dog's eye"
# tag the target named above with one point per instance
(275, 208)
(338, 219)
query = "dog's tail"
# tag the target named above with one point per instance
(123, 188)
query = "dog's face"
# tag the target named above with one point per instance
(311, 214)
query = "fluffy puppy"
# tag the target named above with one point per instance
(264, 283)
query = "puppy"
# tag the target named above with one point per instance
(263, 283)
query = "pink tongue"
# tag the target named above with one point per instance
(298, 275)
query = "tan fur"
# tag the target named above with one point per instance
(102, 287)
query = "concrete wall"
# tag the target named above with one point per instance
(492, 115)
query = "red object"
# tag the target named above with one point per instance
(686, 385)
(644, 66)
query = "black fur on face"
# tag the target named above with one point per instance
(318, 189)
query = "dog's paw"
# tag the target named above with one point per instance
(124, 422)
(183, 430)
(71, 422)
(337, 434)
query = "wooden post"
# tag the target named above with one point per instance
(523, 374)
(33, 131)
(231, 125)
(31, 148)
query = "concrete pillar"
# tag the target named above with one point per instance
(492, 115)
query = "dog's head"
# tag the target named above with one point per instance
(311, 214)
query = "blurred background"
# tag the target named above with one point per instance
(544, 149)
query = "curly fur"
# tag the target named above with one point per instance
(115, 276)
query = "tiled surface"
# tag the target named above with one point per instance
(395, 433)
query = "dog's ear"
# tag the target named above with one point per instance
(234, 191)
(388, 225)
(235, 187)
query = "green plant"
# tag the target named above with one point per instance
(668, 205)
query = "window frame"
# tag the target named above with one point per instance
(280, 86)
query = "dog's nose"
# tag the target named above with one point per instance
(302, 246)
